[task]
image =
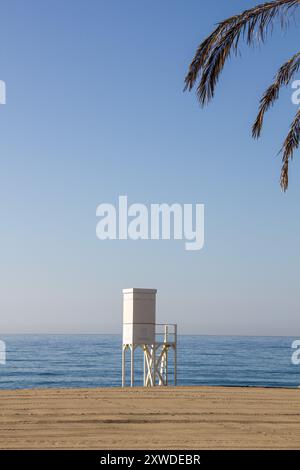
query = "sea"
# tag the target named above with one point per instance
(38, 361)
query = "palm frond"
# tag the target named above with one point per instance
(211, 55)
(290, 144)
(251, 25)
(283, 77)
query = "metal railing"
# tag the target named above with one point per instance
(166, 333)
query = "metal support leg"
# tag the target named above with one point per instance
(153, 365)
(132, 366)
(123, 366)
(175, 355)
(144, 352)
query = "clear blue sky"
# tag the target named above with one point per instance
(95, 108)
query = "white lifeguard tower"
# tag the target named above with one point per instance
(140, 330)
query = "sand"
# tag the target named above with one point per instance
(160, 418)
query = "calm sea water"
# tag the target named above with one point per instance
(95, 361)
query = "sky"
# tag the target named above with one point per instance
(96, 109)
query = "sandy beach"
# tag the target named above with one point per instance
(139, 418)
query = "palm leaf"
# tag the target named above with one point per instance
(252, 25)
(290, 144)
(283, 77)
